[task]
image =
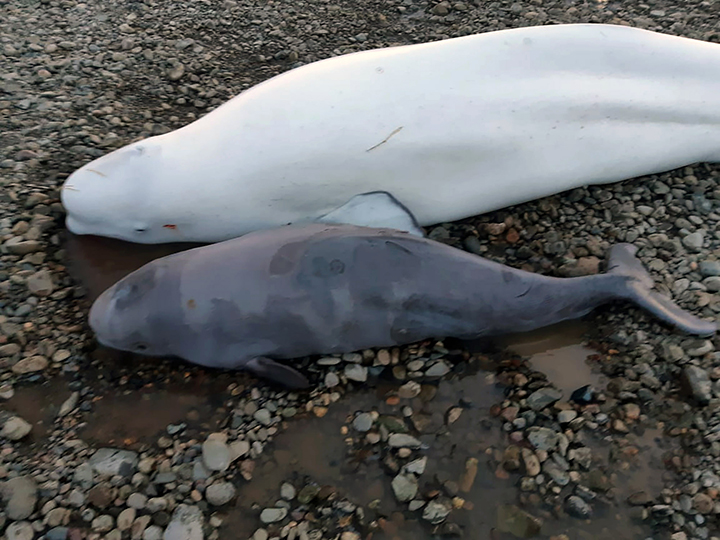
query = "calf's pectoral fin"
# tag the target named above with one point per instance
(268, 368)
(375, 209)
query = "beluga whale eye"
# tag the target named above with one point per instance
(140, 347)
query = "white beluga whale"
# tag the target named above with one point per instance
(411, 136)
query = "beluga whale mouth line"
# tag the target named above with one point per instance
(549, 108)
(259, 301)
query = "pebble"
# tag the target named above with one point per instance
(532, 463)
(287, 491)
(577, 507)
(566, 416)
(263, 416)
(216, 454)
(438, 369)
(126, 518)
(356, 372)
(40, 283)
(436, 512)
(273, 515)
(19, 530)
(186, 524)
(363, 422)
(111, 462)
(15, 428)
(400, 440)
(543, 397)
(20, 494)
(709, 268)
(405, 487)
(137, 501)
(220, 493)
(699, 383)
(30, 365)
(694, 241)
(543, 438)
(417, 466)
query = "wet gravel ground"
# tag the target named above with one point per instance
(426, 441)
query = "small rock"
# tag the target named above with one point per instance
(137, 501)
(532, 463)
(331, 379)
(57, 533)
(438, 369)
(216, 454)
(220, 493)
(702, 503)
(401, 440)
(30, 365)
(566, 416)
(263, 416)
(20, 530)
(698, 382)
(40, 283)
(15, 428)
(186, 524)
(356, 372)
(238, 449)
(273, 515)
(287, 491)
(543, 438)
(112, 462)
(694, 241)
(405, 487)
(436, 512)
(102, 523)
(577, 507)
(543, 397)
(363, 422)
(176, 72)
(417, 466)
(20, 495)
(709, 268)
(639, 498)
(125, 519)
(69, 404)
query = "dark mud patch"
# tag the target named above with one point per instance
(98, 263)
(39, 405)
(134, 419)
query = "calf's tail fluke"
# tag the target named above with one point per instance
(622, 261)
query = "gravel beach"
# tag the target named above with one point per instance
(613, 433)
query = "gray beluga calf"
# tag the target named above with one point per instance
(289, 292)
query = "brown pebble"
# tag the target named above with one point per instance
(468, 478)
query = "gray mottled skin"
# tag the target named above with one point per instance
(319, 289)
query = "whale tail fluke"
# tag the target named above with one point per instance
(622, 261)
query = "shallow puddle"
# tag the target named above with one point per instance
(559, 353)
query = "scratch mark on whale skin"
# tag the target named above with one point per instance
(386, 139)
(97, 172)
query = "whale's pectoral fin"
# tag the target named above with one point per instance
(375, 209)
(270, 369)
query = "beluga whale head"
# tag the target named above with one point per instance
(127, 315)
(111, 196)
